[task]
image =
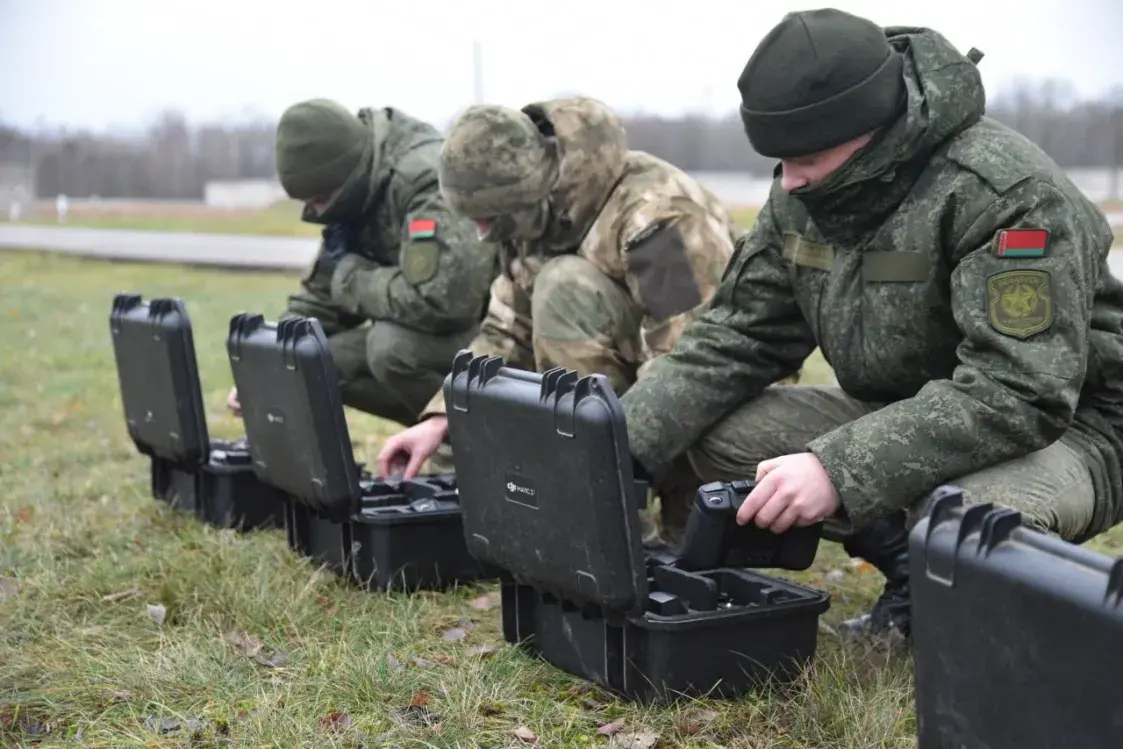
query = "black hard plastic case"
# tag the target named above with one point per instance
(380, 533)
(1015, 634)
(548, 495)
(164, 415)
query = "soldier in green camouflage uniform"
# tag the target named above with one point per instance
(400, 284)
(951, 274)
(608, 253)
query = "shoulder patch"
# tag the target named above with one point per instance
(1019, 243)
(420, 259)
(422, 228)
(659, 260)
(421, 254)
(1020, 302)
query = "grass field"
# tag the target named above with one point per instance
(85, 554)
(123, 623)
(280, 219)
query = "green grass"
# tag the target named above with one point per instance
(280, 219)
(77, 525)
(744, 217)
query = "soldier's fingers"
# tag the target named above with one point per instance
(765, 467)
(787, 519)
(415, 461)
(756, 499)
(390, 456)
(777, 503)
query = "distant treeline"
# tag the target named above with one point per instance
(174, 159)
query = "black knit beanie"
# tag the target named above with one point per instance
(818, 79)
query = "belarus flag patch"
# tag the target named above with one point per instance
(1022, 242)
(422, 228)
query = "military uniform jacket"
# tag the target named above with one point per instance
(410, 260)
(639, 220)
(951, 273)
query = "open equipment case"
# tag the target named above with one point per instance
(1015, 634)
(163, 404)
(382, 534)
(549, 496)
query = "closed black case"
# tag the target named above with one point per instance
(1015, 634)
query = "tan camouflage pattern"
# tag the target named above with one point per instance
(604, 196)
(885, 267)
(495, 162)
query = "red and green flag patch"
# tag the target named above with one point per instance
(1022, 242)
(422, 228)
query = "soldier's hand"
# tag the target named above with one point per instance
(791, 490)
(233, 403)
(405, 452)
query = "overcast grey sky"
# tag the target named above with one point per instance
(99, 63)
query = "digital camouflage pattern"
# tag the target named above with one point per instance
(631, 250)
(432, 281)
(976, 360)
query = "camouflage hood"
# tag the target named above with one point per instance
(593, 150)
(945, 95)
(392, 134)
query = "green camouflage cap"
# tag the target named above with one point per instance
(319, 144)
(496, 162)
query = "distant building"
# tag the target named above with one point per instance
(243, 193)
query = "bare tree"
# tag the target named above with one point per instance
(174, 158)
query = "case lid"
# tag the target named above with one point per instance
(545, 479)
(1005, 621)
(159, 378)
(292, 406)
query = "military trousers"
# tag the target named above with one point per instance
(1052, 488)
(391, 371)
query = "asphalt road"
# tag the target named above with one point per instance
(198, 249)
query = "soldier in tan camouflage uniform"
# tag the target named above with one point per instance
(608, 253)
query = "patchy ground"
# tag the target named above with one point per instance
(123, 623)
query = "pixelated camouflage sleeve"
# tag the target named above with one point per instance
(1022, 359)
(441, 282)
(314, 300)
(674, 267)
(505, 331)
(751, 335)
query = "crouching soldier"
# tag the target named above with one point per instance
(607, 254)
(400, 283)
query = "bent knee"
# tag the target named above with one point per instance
(389, 350)
(574, 301)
